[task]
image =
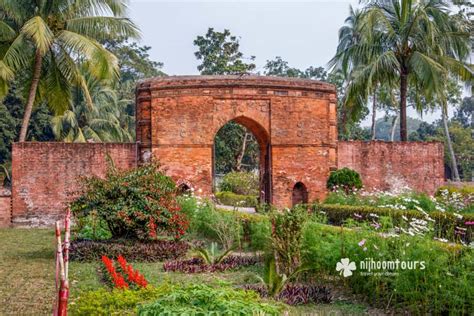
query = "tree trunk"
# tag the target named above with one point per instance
(374, 115)
(454, 165)
(403, 105)
(31, 95)
(240, 157)
(394, 127)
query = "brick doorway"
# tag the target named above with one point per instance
(263, 141)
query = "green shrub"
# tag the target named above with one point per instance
(244, 183)
(345, 179)
(286, 234)
(444, 286)
(206, 300)
(92, 227)
(138, 203)
(232, 199)
(118, 302)
(259, 234)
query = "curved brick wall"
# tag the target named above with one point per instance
(293, 119)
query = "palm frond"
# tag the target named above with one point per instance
(37, 29)
(103, 27)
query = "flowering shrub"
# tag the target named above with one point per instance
(125, 276)
(344, 179)
(138, 203)
(456, 199)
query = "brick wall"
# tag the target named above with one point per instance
(5, 207)
(45, 175)
(392, 165)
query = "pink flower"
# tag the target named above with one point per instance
(470, 223)
(362, 242)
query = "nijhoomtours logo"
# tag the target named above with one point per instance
(369, 266)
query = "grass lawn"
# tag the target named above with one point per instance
(27, 277)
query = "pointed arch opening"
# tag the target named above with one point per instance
(243, 145)
(299, 194)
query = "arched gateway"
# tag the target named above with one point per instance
(293, 120)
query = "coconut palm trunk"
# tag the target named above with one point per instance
(31, 95)
(454, 165)
(403, 105)
(374, 115)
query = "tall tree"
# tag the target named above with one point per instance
(219, 53)
(236, 148)
(50, 38)
(405, 42)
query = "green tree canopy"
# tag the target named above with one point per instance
(219, 53)
(54, 39)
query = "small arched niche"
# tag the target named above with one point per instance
(300, 194)
(183, 189)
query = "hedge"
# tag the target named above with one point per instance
(445, 222)
(232, 199)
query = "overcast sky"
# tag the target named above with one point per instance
(304, 33)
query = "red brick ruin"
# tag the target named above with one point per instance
(177, 118)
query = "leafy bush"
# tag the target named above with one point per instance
(287, 226)
(92, 227)
(90, 250)
(444, 286)
(206, 300)
(244, 183)
(345, 179)
(138, 203)
(115, 302)
(232, 199)
(259, 232)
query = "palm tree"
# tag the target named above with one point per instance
(107, 121)
(407, 43)
(52, 39)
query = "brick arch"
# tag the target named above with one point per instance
(293, 119)
(263, 139)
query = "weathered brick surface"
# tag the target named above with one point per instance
(5, 208)
(392, 165)
(45, 175)
(294, 120)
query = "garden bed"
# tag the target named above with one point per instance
(150, 251)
